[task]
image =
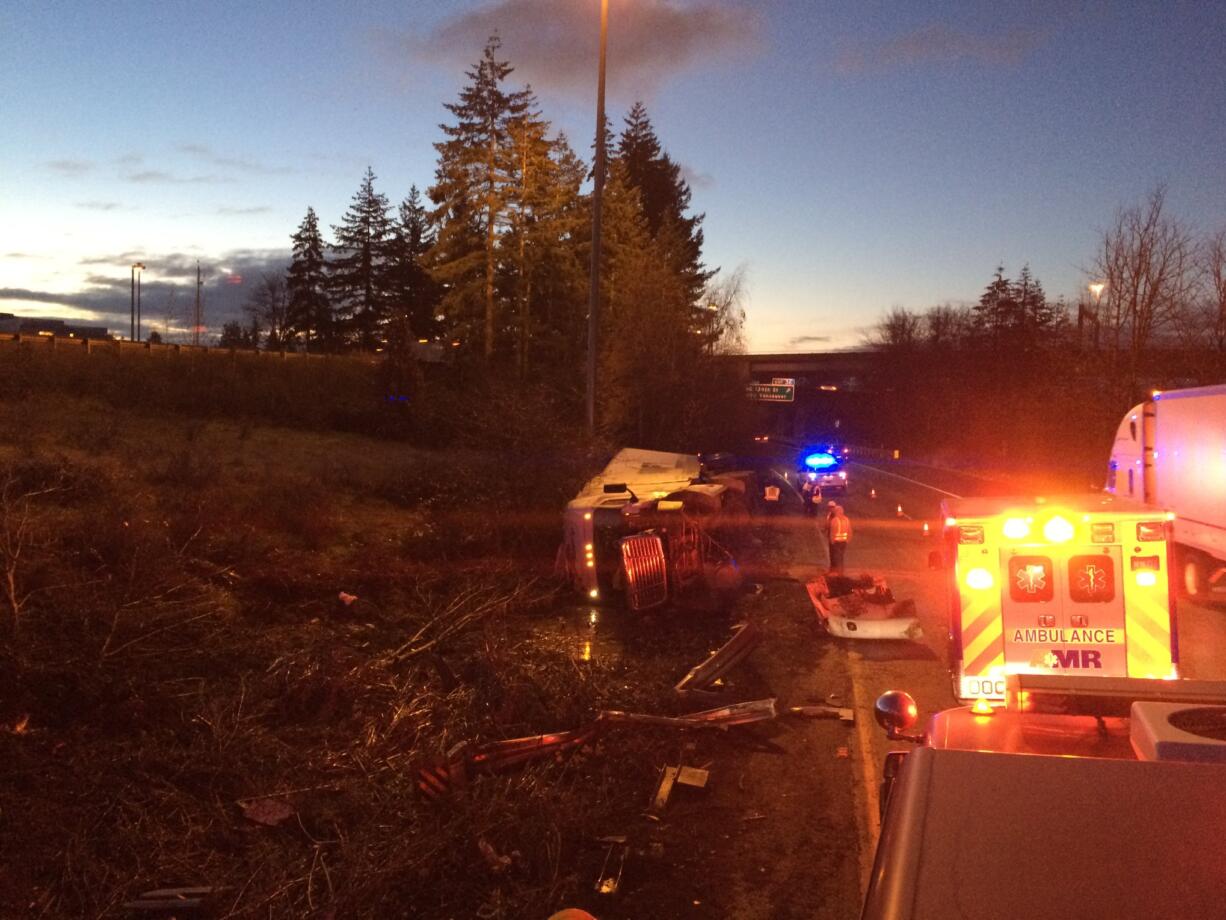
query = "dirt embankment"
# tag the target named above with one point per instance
(187, 699)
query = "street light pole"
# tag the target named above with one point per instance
(1097, 290)
(134, 331)
(593, 297)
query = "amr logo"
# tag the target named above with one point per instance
(1080, 658)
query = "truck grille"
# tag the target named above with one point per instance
(646, 571)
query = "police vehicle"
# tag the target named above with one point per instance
(825, 466)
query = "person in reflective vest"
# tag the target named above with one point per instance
(770, 494)
(839, 535)
(811, 492)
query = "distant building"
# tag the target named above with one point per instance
(43, 325)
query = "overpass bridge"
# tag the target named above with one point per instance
(828, 387)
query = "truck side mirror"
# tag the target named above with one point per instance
(895, 711)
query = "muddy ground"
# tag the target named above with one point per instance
(775, 833)
(187, 699)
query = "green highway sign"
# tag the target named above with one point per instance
(771, 392)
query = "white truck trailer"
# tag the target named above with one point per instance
(1170, 453)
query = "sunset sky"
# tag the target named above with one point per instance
(852, 157)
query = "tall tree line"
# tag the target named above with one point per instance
(1018, 377)
(492, 261)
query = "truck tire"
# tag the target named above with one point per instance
(1193, 576)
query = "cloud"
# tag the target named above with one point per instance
(697, 179)
(129, 159)
(808, 340)
(70, 167)
(938, 44)
(158, 176)
(241, 212)
(102, 206)
(168, 286)
(553, 43)
(208, 155)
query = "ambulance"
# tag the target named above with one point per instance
(1064, 585)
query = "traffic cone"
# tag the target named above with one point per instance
(926, 532)
(872, 493)
(899, 512)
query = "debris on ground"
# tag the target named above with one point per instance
(671, 777)
(668, 778)
(437, 778)
(270, 812)
(609, 880)
(862, 608)
(495, 861)
(703, 676)
(822, 712)
(693, 776)
(173, 899)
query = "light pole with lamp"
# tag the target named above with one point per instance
(1097, 290)
(593, 297)
(134, 318)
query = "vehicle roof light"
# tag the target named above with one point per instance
(1151, 530)
(982, 707)
(979, 579)
(1102, 532)
(970, 533)
(1058, 530)
(820, 461)
(1016, 528)
(1147, 578)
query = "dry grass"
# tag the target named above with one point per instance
(172, 649)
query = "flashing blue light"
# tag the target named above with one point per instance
(820, 461)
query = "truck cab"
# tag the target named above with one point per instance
(1077, 798)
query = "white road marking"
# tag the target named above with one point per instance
(914, 482)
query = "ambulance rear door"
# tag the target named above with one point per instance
(1063, 609)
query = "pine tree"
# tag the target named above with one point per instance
(413, 292)
(665, 197)
(358, 274)
(310, 313)
(472, 193)
(543, 279)
(650, 354)
(1039, 318)
(996, 313)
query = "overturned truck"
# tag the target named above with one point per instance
(653, 529)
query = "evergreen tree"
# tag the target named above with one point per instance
(310, 313)
(1039, 318)
(650, 354)
(413, 292)
(472, 192)
(543, 279)
(997, 313)
(665, 198)
(358, 274)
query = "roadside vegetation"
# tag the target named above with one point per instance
(1019, 382)
(241, 601)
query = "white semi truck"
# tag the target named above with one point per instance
(1170, 453)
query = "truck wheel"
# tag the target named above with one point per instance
(1193, 577)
